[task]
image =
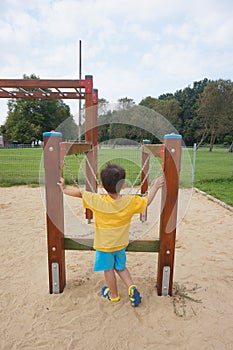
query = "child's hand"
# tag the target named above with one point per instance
(61, 183)
(160, 181)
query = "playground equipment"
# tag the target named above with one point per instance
(81, 89)
(54, 152)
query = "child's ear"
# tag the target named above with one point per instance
(123, 185)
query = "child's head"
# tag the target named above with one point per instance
(112, 177)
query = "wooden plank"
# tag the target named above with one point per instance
(80, 244)
(68, 148)
(75, 147)
(54, 210)
(145, 169)
(89, 125)
(169, 204)
(134, 246)
(148, 246)
(156, 150)
(48, 83)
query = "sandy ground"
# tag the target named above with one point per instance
(198, 316)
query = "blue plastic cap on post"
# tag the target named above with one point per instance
(52, 133)
(172, 136)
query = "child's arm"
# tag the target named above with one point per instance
(71, 191)
(154, 189)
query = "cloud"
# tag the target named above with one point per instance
(132, 48)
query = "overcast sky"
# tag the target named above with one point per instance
(133, 48)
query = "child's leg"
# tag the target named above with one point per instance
(125, 276)
(111, 282)
(134, 294)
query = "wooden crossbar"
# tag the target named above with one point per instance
(68, 148)
(149, 246)
(28, 88)
(75, 147)
(156, 150)
(48, 83)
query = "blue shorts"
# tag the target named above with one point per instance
(110, 260)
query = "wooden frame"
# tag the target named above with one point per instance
(37, 88)
(54, 152)
(165, 246)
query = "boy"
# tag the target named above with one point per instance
(113, 213)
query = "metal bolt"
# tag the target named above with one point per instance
(51, 149)
(173, 150)
(168, 252)
(54, 249)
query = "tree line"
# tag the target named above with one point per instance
(202, 113)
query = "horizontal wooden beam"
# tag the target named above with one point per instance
(68, 148)
(48, 83)
(148, 246)
(75, 147)
(156, 150)
(134, 246)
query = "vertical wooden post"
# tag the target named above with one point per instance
(89, 112)
(95, 137)
(54, 212)
(144, 174)
(168, 217)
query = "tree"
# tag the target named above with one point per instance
(215, 110)
(102, 106)
(187, 99)
(169, 108)
(125, 103)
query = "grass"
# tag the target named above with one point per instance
(129, 158)
(213, 174)
(20, 166)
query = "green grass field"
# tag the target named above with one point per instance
(20, 166)
(213, 173)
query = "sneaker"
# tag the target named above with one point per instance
(106, 294)
(134, 296)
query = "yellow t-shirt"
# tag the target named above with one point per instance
(112, 218)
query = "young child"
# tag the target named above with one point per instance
(113, 213)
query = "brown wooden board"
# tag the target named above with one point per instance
(134, 246)
(75, 147)
(54, 210)
(169, 203)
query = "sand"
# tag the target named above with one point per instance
(198, 316)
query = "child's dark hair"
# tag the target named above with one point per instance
(112, 177)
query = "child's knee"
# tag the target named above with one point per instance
(120, 270)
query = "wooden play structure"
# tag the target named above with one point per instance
(81, 89)
(54, 152)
